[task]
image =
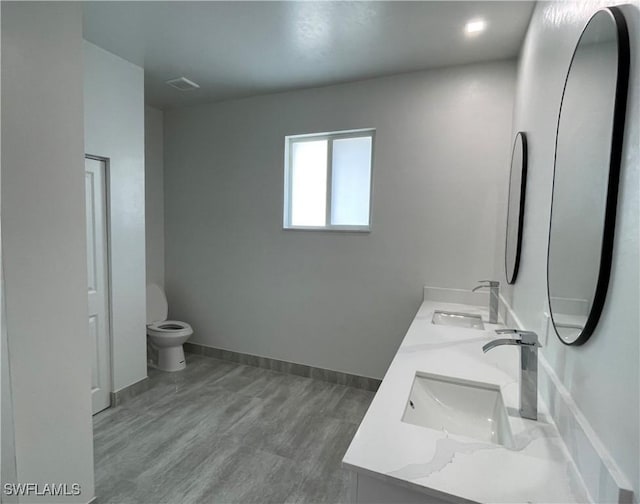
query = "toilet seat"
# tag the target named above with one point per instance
(168, 328)
(157, 309)
(157, 306)
(166, 337)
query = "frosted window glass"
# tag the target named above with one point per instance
(309, 183)
(351, 181)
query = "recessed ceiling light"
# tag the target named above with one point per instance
(183, 84)
(475, 26)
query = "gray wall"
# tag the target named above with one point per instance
(602, 375)
(7, 437)
(341, 301)
(43, 239)
(154, 193)
(114, 129)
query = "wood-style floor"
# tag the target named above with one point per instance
(220, 432)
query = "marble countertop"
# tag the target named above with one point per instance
(537, 470)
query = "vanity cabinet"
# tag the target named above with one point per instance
(367, 490)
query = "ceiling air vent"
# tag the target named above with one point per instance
(183, 84)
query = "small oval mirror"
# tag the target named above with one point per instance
(585, 183)
(515, 207)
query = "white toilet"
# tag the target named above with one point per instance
(166, 336)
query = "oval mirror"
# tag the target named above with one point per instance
(515, 207)
(586, 173)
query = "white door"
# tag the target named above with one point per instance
(98, 275)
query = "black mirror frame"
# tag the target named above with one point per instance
(511, 278)
(617, 137)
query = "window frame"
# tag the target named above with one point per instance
(330, 137)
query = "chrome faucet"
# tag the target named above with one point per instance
(528, 343)
(494, 287)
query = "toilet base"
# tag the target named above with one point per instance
(171, 359)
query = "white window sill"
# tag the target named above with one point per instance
(342, 229)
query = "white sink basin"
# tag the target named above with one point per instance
(467, 408)
(457, 319)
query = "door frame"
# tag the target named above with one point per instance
(107, 208)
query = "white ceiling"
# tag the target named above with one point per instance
(235, 48)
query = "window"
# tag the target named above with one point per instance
(328, 181)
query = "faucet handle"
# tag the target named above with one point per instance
(526, 337)
(529, 338)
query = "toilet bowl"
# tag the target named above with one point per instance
(165, 336)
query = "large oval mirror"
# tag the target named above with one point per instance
(515, 207)
(586, 173)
